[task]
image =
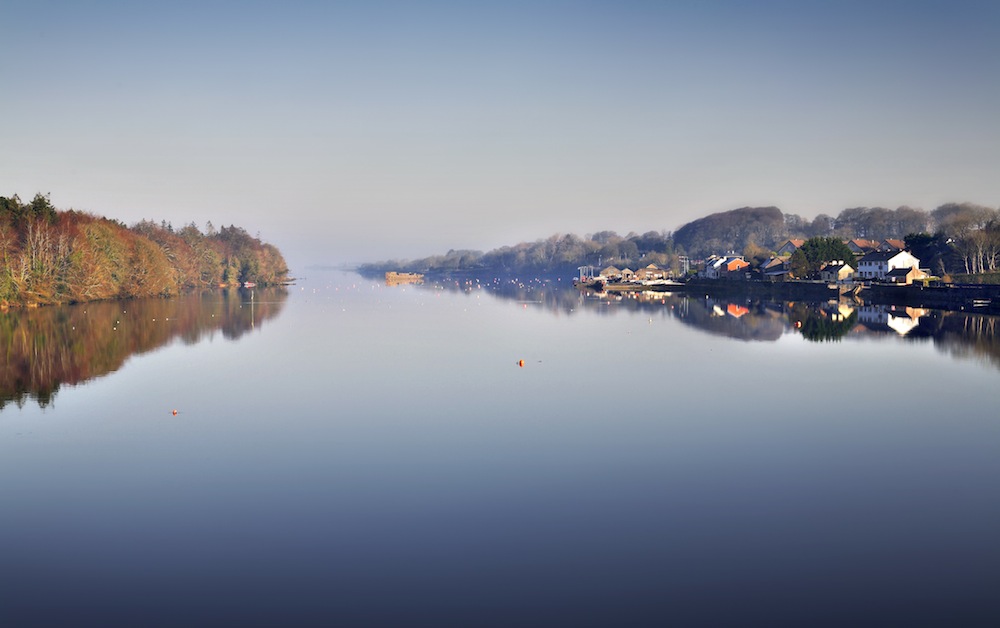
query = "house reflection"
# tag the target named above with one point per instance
(890, 318)
(960, 333)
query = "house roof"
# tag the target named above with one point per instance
(897, 244)
(879, 256)
(900, 272)
(862, 243)
(797, 243)
(836, 268)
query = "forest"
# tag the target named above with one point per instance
(50, 256)
(954, 238)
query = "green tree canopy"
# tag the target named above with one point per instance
(819, 250)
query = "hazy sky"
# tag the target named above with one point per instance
(358, 131)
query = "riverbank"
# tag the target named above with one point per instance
(788, 291)
(958, 297)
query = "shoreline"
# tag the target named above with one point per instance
(957, 297)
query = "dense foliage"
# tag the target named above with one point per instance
(558, 254)
(732, 231)
(954, 238)
(809, 258)
(50, 256)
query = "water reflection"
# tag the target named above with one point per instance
(45, 348)
(960, 334)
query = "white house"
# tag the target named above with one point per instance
(878, 264)
(836, 272)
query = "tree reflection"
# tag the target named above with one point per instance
(823, 322)
(45, 348)
(961, 334)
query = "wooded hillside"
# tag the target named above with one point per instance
(953, 238)
(50, 256)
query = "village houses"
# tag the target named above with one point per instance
(725, 267)
(650, 272)
(837, 271)
(877, 265)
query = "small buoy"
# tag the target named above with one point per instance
(175, 412)
(520, 363)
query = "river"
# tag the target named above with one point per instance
(342, 452)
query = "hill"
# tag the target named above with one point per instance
(953, 238)
(51, 256)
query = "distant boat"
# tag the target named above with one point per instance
(249, 284)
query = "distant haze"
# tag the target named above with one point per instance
(357, 131)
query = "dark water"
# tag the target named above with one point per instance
(346, 453)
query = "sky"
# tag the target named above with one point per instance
(346, 132)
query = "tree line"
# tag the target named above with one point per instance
(557, 254)
(953, 238)
(52, 256)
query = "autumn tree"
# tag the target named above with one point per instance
(49, 256)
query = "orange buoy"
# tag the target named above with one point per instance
(175, 412)
(520, 363)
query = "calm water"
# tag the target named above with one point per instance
(346, 453)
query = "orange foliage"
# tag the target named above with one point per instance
(48, 256)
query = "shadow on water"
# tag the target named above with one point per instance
(960, 334)
(48, 347)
